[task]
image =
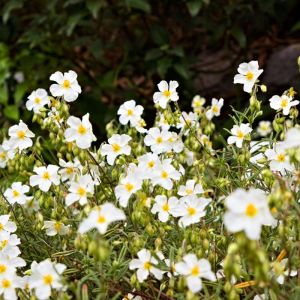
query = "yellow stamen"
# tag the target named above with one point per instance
(191, 211)
(101, 219)
(129, 112)
(281, 157)
(164, 174)
(6, 283)
(189, 191)
(147, 265)
(1, 226)
(249, 75)
(167, 94)
(15, 193)
(215, 109)
(69, 170)
(46, 176)
(48, 279)
(81, 191)
(129, 187)
(66, 84)
(57, 226)
(159, 140)
(2, 268)
(116, 147)
(240, 134)
(251, 210)
(81, 129)
(166, 207)
(151, 164)
(37, 100)
(195, 271)
(284, 103)
(21, 134)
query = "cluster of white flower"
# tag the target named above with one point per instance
(40, 279)
(160, 166)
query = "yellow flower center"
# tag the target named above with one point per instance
(21, 134)
(191, 211)
(81, 129)
(116, 147)
(66, 84)
(195, 271)
(281, 157)
(284, 103)
(215, 109)
(15, 193)
(164, 174)
(167, 94)
(46, 176)
(81, 191)
(151, 164)
(251, 210)
(1, 226)
(3, 244)
(197, 103)
(166, 207)
(2, 268)
(48, 279)
(101, 219)
(2, 155)
(57, 226)
(249, 75)
(37, 100)
(69, 170)
(189, 191)
(147, 265)
(159, 140)
(240, 134)
(129, 112)
(129, 187)
(6, 283)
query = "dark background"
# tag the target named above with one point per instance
(122, 49)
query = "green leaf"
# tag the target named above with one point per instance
(9, 7)
(11, 112)
(240, 36)
(3, 94)
(94, 7)
(73, 22)
(163, 66)
(182, 70)
(194, 7)
(20, 92)
(153, 54)
(296, 27)
(140, 4)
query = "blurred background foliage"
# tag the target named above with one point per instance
(122, 48)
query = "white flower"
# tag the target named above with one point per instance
(197, 103)
(147, 164)
(46, 276)
(194, 269)
(187, 120)
(164, 207)
(292, 138)
(158, 140)
(79, 190)
(101, 217)
(130, 112)
(162, 122)
(238, 134)
(37, 99)
(67, 85)
(117, 145)
(16, 194)
(3, 156)
(190, 188)
(166, 93)
(175, 143)
(80, 131)
(55, 227)
(128, 186)
(20, 136)
(215, 109)
(145, 265)
(130, 296)
(191, 210)
(283, 103)
(45, 177)
(281, 271)
(9, 282)
(264, 128)
(249, 72)
(247, 211)
(259, 297)
(6, 225)
(164, 173)
(279, 160)
(69, 170)
(9, 244)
